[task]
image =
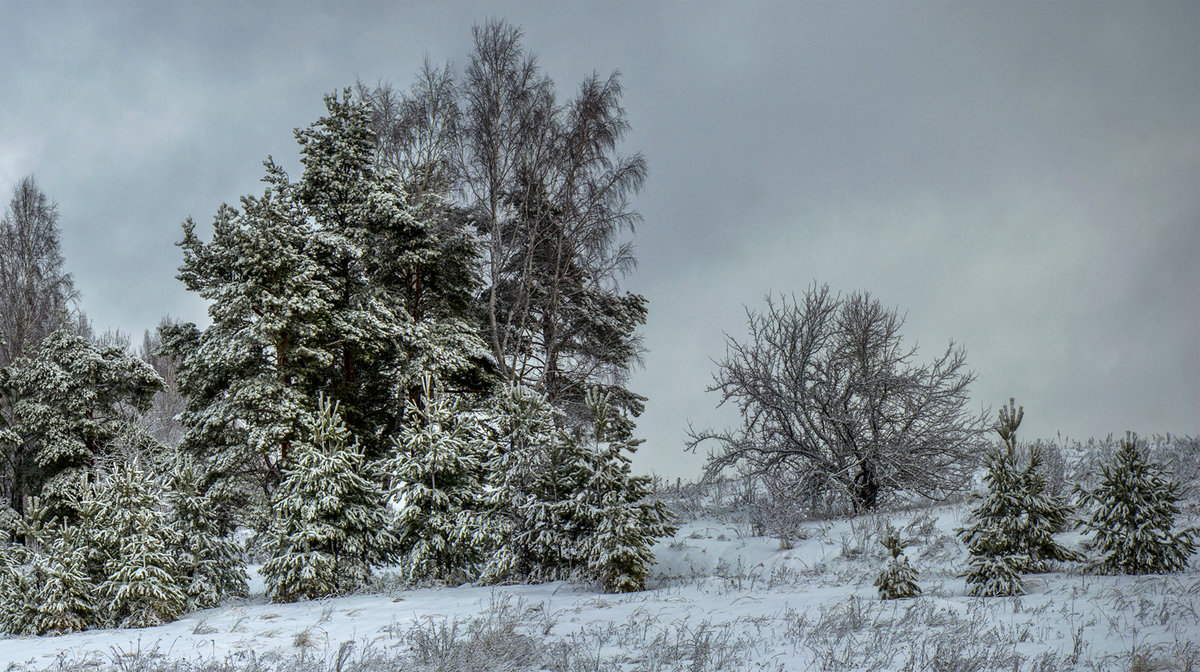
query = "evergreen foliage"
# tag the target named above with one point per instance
(210, 566)
(566, 507)
(332, 284)
(437, 493)
(73, 402)
(330, 526)
(1015, 523)
(898, 578)
(621, 521)
(44, 586)
(533, 476)
(131, 537)
(1133, 511)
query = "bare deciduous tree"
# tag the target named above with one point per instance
(544, 185)
(826, 387)
(35, 292)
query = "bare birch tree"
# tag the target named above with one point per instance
(35, 292)
(826, 387)
(548, 193)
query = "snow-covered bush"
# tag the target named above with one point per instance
(1133, 512)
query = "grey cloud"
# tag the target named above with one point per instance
(1018, 177)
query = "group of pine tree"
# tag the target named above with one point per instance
(1129, 516)
(416, 357)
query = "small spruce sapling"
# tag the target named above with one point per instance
(898, 578)
(210, 564)
(992, 541)
(625, 523)
(1133, 511)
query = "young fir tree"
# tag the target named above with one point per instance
(15, 585)
(623, 523)
(1045, 516)
(330, 527)
(1133, 511)
(210, 565)
(130, 532)
(436, 472)
(533, 475)
(44, 584)
(898, 578)
(993, 541)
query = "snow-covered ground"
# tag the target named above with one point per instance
(720, 600)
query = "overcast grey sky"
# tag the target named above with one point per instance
(1021, 178)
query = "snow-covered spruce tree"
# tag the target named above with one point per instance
(44, 584)
(130, 531)
(623, 524)
(898, 578)
(993, 539)
(533, 476)
(1133, 511)
(73, 401)
(211, 566)
(1015, 523)
(437, 493)
(330, 525)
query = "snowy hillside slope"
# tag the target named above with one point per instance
(720, 599)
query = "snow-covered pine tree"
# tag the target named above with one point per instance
(72, 402)
(1133, 512)
(1045, 515)
(436, 474)
(15, 585)
(401, 273)
(898, 578)
(128, 525)
(251, 377)
(61, 593)
(993, 541)
(623, 523)
(211, 566)
(533, 475)
(314, 288)
(44, 584)
(331, 525)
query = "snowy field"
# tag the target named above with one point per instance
(721, 599)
